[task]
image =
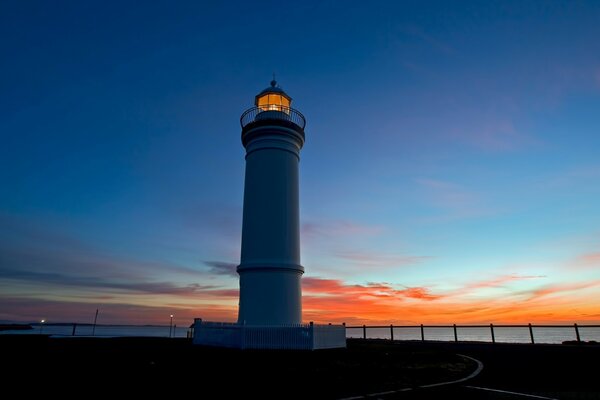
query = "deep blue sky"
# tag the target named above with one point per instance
(452, 155)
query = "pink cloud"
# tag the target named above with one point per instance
(578, 178)
(588, 260)
(220, 294)
(32, 310)
(489, 127)
(336, 287)
(550, 290)
(379, 259)
(496, 135)
(499, 281)
(344, 240)
(339, 228)
(456, 201)
(448, 194)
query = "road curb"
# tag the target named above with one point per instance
(470, 376)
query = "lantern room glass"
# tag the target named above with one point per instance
(273, 102)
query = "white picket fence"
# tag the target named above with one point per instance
(283, 337)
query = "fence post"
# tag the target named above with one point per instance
(531, 334)
(455, 334)
(243, 345)
(422, 333)
(577, 333)
(364, 331)
(392, 332)
(492, 331)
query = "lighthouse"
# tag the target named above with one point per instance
(270, 269)
(270, 304)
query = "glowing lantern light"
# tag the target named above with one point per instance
(273, 98)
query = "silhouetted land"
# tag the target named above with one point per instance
(121, 366)
(15, 327)
(567, 371)
(176, 366)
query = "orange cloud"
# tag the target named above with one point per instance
(334, 287)
(333, 300)
(419, 293)
(330, 300)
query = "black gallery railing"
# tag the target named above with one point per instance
(272, 112)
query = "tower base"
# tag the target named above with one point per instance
(283, 337)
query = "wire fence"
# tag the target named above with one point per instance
(527, 333)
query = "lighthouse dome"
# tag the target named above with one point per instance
(273, 98)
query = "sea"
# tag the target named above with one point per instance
(478, 334)
(102, 330)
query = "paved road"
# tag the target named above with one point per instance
(520, 371)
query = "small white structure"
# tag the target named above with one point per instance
(270, 308)
(282, 337)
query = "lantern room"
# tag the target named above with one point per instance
(273, 98)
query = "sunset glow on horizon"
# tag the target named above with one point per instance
(451, 171)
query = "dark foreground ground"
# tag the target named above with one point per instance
(125, 367)
(519, 371)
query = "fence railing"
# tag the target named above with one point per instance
(492, 330)
(282, 113)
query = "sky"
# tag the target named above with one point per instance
(451, 170)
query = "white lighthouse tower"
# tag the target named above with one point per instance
(270, 270)
(270, 306)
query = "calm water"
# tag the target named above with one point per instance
(103, 330)
(506, 335)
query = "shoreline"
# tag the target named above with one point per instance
(15, 327)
